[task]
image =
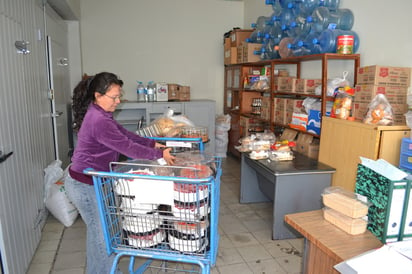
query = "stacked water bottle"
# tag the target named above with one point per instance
(146, 93)
(302, 27)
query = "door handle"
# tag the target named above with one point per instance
(3, 157)
(57, 114)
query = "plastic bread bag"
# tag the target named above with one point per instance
(170, 125)
(261, 84)
(333, 85)
(379, 112)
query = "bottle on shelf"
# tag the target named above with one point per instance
(151, 91)
(140, 92)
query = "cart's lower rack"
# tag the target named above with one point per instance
(178, 222)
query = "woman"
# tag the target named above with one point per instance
(101, 140)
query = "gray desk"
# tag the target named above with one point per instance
(292, 186)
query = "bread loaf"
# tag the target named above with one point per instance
(344, 204)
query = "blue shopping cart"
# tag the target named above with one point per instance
(165, 218)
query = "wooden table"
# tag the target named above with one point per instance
(325, 244)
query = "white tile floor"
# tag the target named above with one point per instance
(245, 239)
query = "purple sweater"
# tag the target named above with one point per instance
(100, 141)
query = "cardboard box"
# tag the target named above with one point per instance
(307, 145)
(307, 86)
(288, 134)
(295, 105)
(246, 52)
(173, 92)
(384, 76)
(162, 94)
(184, 93)
(237, 36)
(285, 84)
(280, 103)
(394, 94)
(230, 56)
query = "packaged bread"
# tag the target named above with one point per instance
(353, 226)
(346, 202)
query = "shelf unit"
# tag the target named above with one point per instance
(238, 99)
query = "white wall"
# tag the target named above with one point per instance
(382, 27)
(179, 41)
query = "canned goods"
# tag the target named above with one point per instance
(345, 44)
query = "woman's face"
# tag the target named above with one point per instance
(110, 99)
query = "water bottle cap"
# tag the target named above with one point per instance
(290, 46)
(309, 19)
(290, 5)
(293, 24)
(284, 27)
(315, 41)
(267, 36)
(300, 43)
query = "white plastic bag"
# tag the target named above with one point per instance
(55, 195)
(333, 85)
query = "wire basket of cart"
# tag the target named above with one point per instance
(166, 214)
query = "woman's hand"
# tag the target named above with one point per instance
(170, 159)
(159, 145)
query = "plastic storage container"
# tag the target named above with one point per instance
(353, 226)
(345, 202)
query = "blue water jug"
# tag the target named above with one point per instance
(330, 4)
(307, 43)
(323, 18)
(287, 15)
(275, 33)
(308, 6)
(327, 40)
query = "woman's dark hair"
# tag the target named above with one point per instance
(83, 94)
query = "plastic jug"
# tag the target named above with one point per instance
(327, 40)
(323, 19)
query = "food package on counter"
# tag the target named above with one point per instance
(281, 155)
(352, 226)
(259, 154)
(346, 202)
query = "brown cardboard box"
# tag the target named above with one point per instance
(384, 76)
(307, 86)
(246, 52)
(285, 84)
(237, 36)
(173, 92)
(184, 93)
(288, 134)
(295, 105)
(307, 145)
(395, 95)
(230, 56)
(280, 103)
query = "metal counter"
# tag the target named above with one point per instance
(292, 186)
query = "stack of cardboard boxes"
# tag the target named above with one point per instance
(237, 50)
(393, 82)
